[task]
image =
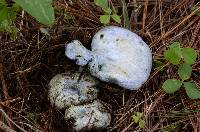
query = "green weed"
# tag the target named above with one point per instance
(138, 119)
(109, 13)
(183, 58)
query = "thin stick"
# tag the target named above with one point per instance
(175, 27)
(7, 117)
(5, 128)
(4, 85)
(144, 14)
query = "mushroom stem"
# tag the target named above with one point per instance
(76, 51)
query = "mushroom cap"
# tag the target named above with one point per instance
(67, 89)
(118, 56)
(89, 116)
(121, 57)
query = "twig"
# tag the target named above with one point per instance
(175, 27)
(5, 128)
(4, 85)
(8, 101)
(195, 34)
(31, 127)
(7, 117)
(144, 14)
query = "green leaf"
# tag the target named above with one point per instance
(139, 114)
(191, 90)
(135, 119)
(15, 7)
(141, 123)
(184, 71)
(2, 2)
(101, 3)
(173, 54)
(107, 10)
(12, 12)
(105, 19)
(116, 18)
(3, 13)
(189, 55)
(171, 85)
(42, 10)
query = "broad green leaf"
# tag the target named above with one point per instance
(141, 123)
(173, 54)
(105, 19)
(101, 3)
(185, 71)
(189, 55)
(191, 90)
(15, 7)
(171, 85)
(116, 18)
(42, 10)
(2, 2)
(12, 12)
(3, 13)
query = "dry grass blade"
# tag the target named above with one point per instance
(8, 118)
(5, 128)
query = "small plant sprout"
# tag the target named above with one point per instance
(109, 13)
(183, 58)
(138, 119)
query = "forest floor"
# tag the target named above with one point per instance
(28, 62)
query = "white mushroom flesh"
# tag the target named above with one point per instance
(89, 116)
(67, 89)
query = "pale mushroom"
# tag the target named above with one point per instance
(117, 56)
(72, 89)
(91, 116)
